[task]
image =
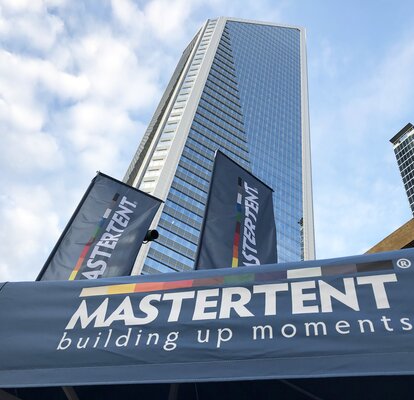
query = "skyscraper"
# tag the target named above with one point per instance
(403, 143)
(240, 86)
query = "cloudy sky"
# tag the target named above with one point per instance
(79, 81)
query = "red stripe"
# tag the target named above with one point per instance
(238, 227)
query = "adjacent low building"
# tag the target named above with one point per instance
(401, 238)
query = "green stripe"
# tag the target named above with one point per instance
(245, 278)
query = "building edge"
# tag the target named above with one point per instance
(308, 216)
(171, 162)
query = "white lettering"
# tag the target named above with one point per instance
(202, 303)
(378, 286)
(270, 295)
(177, 301)
(298, 297)
(223, 335)
(328, 292)
(81, 314)
(227, 302)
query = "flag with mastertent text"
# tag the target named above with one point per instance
(105, 233)
(239, 224)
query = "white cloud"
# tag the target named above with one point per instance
(28, 214)
(167, 18)
(29, 151)
(99, 134)
(23, 77)
(24, 114)
(23, 21)
(128, 15)
(115, 74)
(19, 6)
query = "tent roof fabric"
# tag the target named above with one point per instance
(288, 326)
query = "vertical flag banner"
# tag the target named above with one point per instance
(104, 235)
(239, 225)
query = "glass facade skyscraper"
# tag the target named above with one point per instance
(240, 86)
(403, 143)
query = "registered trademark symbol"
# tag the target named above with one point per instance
(403, 263)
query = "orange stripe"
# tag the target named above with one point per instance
(148, 287)
(235, 252)
(178, 284)
(76, 269)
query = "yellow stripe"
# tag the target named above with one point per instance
(107, 290)
(121, 289)
(73, 275)
(235, 263)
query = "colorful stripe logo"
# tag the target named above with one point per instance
(239, 215)
(246, 279)
(92, 239)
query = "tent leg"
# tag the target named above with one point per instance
(70, 393)
(173, 395)
(300, 390)
(196, 390)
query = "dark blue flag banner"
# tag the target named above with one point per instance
(349, 316)
(104, 235)
(239, 224)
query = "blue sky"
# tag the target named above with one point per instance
(79, 81)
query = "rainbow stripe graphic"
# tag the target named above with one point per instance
(239, 210)
(92, 239)
(246, 279)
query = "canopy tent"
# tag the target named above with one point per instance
(303, 330)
